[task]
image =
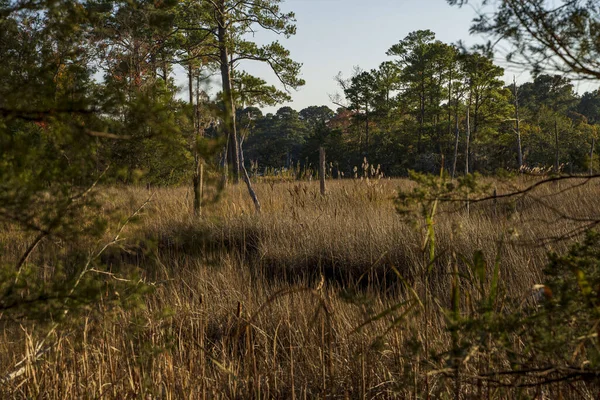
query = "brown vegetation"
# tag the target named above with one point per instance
(270, 305)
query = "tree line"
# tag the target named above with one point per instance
(432, 104)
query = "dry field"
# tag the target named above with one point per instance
(272, 305)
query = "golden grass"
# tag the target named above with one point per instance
(237, 310)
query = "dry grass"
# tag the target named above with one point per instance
(238, 311)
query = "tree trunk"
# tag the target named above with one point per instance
(356, 126)
(592, 156)
(422, 114)
(225, 165)
(556, 157)
(451, 70)
(322, 169)
(198, 178)
(247, 180)
(199, 128)
(518, 124)
(195, 177)
(473, 133)
(165, 71)
(191, 92)
(197, 182)
(366, 154)
(456, 140)
(467, 149)
(227, 94)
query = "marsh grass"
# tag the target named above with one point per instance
(274, 305)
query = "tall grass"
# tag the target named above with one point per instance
(274, 305)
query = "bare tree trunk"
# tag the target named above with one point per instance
(467, 149)
(422, 114)
(227, 93)
(224, 165)
(518, 124)
(473, 130)
(322, 169)
(456, 140)
(367, 130)
(450, 102)
(247, 180)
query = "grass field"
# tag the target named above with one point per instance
(278, 305)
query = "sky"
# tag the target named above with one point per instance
(335, 35)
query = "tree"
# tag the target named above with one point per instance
(414, 60)
(136, 47)
(457, 91)
(360, 94)
(387, 82)
(315, 120)
(425, 69)
(250, 90)
(589, 106)
(558, 36)
(191, 48)
(291, 135)
(229, 22)
(518, 125)
(133, 40)
(555, 92)
(545, 102)
(488, 101)
(315, 116)
(55, 120)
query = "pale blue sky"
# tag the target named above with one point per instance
(335, 35)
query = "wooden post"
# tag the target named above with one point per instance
(495, 203)
(556, 155)
(322, 169)
(592, 156)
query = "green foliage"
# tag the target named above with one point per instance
(556, 328)
(545, 36)
(276, 140)
(431, 190)
(253, 90)
(64, 132)
(589, 106)
(158, 150)
(552, 336)
(413, 112)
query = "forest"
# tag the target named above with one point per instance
(431, 232)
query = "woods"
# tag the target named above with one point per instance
(458, 108)
(427, 101)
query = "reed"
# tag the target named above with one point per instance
(304, 300)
